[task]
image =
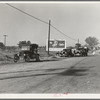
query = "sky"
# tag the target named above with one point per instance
(77, 20)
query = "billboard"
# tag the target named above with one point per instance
(25, 48)
(56, 45)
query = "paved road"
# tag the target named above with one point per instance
(70, 75)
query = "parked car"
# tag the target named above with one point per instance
(29, 54)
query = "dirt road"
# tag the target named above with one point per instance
(68, 75)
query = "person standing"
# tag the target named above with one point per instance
(93, 52)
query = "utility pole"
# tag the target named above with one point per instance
(78, 41)
(49, 36)
(5, 39)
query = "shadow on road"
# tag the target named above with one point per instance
(74, 72)
(43, 70)
(68, 72)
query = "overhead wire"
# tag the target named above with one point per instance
(63, 33)
(26, 13)
(40, 20)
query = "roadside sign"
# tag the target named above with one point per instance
(25, 48)
(56, 45)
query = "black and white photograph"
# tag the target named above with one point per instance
(50, 48)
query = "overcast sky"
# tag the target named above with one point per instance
(77, 20)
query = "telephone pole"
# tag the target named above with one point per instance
(5, 39)
(78, 40)
(49, 36)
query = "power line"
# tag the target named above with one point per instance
(39, 20)
(66, 35)
(26, 13)
(63, 33)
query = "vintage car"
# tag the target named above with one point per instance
(65, 53)
(81, 51)
(29, 54)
